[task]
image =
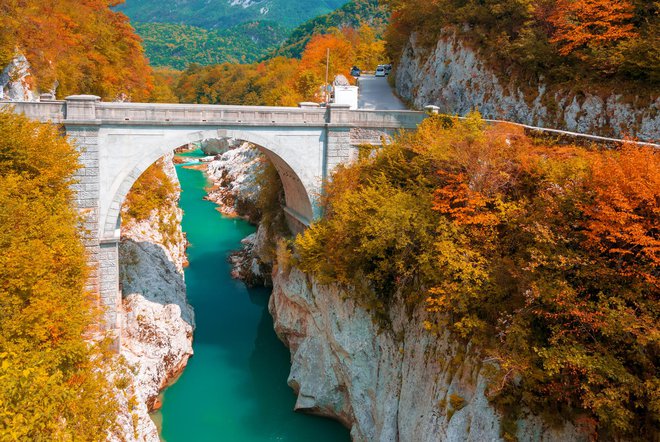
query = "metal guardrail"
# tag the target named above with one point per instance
(561, 133)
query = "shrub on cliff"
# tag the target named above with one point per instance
(544, 256)
(560, 40)
(153, 191)
(51, 387)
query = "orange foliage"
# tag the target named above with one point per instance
(624, 216)
(342, 56)
(591, 23)
(78, 46)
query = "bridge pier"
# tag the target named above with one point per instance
(338, 147)
(102, 256)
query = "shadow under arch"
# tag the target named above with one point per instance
(299, 210)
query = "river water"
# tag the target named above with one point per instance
(234, 388)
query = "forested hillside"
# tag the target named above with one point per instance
(224, 14)
(279, 81)
(176, 45)
(78, 47)
(353, 14)
(592, 41)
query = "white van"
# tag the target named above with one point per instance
(380, 71)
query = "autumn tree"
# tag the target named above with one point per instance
(76, 47)
(591, 23)
(342, 56)
(52, 386)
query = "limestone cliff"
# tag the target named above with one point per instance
(157, 322)
(233, 172)
(16, 80)
(454, 77)
(398, 384)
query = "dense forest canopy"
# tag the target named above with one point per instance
(176, 46)
(560, 40)
(78, 47)
(546, 257)
(353, 14)
(51, 383)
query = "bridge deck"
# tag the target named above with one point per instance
(157, 114)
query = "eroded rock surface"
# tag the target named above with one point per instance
(16, 82)
(398, 383)
(453, 76)
(157, 322)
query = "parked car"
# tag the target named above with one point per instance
(380, 71)
(388, 68)
(355, 71)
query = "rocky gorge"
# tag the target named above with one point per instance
(400, 383)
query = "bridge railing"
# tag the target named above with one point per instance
(54, 111)
(88, 108)
(208, 114)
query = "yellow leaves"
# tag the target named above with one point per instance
(44, 310)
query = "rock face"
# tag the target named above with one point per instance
(233, 173)
(395, 384)
(157, 321)
(453, 77)
(16, 81)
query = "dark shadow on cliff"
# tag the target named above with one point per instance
(145, 269)
(270, 363)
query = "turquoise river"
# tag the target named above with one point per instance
(234, 388)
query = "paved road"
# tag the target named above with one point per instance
(375, 93)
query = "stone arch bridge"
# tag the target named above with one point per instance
(119, 141)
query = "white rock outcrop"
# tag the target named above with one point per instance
(454, 77)
(399, 384)
(235, 189)
(157, 322)
(16, 82)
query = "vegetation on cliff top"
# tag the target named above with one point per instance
(51, 383)
(545, 256)
(78, 47)
(560, 40)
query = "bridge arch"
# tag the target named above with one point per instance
(298, 196)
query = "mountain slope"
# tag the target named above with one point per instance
(353, 14)
(176, 45)
(223, 14)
